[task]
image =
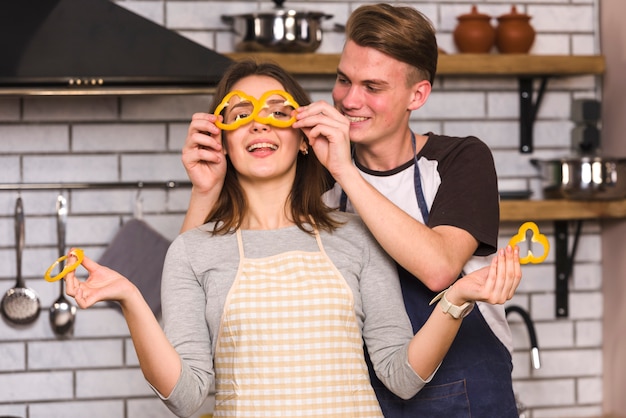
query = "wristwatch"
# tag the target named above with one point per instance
(454, 311)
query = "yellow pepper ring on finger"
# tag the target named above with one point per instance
(78, 253)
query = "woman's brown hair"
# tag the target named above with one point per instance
(310, 181)
(401, 32)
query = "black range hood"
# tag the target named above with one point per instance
(71, 47)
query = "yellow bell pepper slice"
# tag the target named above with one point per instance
(271, 119)
(78, 253)
(226, 102)
(258, 106)
(536, 237)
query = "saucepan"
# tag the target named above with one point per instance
(277, 30)
(583, 177)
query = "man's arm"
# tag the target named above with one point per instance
(435, 255)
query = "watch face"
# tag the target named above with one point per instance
(467, 309)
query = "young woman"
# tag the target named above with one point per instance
(271, 299)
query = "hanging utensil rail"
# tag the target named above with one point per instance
(114, 185)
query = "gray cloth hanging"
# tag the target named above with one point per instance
(138, 252)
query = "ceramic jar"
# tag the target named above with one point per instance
(474, 33)
(514, 33)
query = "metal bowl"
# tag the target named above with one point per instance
(583, 178)
(278, 30)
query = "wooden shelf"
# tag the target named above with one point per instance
(551, 210)
(450, 64)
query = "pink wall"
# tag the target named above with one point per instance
(613, 46)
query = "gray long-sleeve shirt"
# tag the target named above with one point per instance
(200, 269)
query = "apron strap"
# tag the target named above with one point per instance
(417, 185)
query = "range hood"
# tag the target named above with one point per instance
(70, 47)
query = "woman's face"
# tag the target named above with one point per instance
(260, 151)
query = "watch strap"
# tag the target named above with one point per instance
(451, 309)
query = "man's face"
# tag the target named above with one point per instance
(371, 90)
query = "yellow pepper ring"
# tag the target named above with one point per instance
(225, 102)
(269, 120)
(537, 237)
(78, 253)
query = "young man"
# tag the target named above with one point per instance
(431, 201)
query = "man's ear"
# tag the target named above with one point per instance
(420, 90)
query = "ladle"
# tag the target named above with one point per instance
(62, 312)
(20, 304)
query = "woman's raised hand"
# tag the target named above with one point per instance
(202, 153)
(102, 284)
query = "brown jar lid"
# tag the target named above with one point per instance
(474, 14)
(514, 15)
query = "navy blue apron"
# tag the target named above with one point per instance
(474, 379)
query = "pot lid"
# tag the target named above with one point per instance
(280, 11)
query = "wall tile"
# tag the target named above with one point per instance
(588, 333)
(570, 363)
(589, 390)
(9, 109)
(77, 409)
(95, 384)
(13, 357)
(555, 392)
(64, 168)
(23, 387)
(66, 109)
(67, 354)
(15, 139)
(115, 138)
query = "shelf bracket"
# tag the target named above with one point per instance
(529, 110)
(564, 264)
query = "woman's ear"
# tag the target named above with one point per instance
(420, 92)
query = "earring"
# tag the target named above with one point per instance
(304, 151)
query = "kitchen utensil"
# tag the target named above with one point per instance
(277, 30)
(62, 312)
(583, 178)
(20, 304)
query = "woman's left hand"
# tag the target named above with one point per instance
(494, 284)
(102, 284)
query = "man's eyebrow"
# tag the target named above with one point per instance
(341, 73)
(373, 82)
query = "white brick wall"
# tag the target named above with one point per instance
(111, 139)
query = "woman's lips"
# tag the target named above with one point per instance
(261, 146)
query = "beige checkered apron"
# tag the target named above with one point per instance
(289, 343)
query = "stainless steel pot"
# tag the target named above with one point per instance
(583, 178)
(277, 30)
